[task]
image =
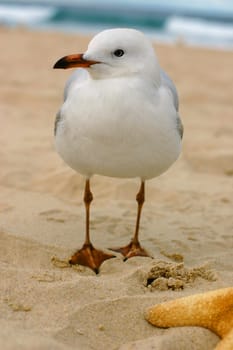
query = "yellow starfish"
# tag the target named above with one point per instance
(212, 310)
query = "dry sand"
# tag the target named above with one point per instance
(187, 222)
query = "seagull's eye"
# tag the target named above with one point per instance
(118, 53)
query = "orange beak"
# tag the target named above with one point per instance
(74, 61)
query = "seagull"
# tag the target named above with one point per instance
(119, 119)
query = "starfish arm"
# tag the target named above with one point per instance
(226, 343)
(212, 310)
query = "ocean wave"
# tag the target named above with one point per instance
(13, 14)
(198, 27)
(160, 24)
(106, 17)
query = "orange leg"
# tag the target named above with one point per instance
(88, 255)
(134, 248)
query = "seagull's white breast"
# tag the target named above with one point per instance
(121, 127)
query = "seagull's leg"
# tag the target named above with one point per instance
(134, 248)
(88, 255)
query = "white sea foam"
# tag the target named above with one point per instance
(14, 14)
(179, 25)
(199, 30)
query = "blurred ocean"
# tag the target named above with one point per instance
(206, 23)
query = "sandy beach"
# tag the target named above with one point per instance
(187, 221)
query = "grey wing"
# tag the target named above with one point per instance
(167, 81)
(57, 121)
(179, 126)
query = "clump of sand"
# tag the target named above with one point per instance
(164, 275)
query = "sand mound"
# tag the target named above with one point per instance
(187, 220)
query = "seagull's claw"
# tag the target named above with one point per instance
(90, 257)
(130, 250)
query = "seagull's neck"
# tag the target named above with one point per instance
(152, 71)
(152, 76)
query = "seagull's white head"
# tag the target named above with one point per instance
(114, 53)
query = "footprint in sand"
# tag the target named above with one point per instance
(5, 207)
(58, 215)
